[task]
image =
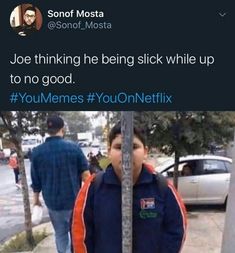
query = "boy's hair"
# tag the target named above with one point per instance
(139, 133)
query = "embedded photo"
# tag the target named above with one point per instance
(167, 176)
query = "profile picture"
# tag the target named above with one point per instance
(26, 19)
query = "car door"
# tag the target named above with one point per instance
(187, 185)
(213, 182)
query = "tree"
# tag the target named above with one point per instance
(99, 131)
(184, 133)
(111, 118)
(18, 123)
(77, 121)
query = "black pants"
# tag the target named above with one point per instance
(16, 172)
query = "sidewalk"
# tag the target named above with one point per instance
(205, 231)
(204, 234)
(11, 203)
(46, 246)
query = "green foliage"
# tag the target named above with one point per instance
(187, 132)
(19, 243)
(20, 122)
(76, 121)
(184, 133)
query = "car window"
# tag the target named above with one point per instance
(29, 142)
(213, 167)
(169, 172)
(228, 166)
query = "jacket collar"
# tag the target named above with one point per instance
(51, 138)
(110, 176)
(146, 176)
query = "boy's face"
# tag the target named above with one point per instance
(139, 154)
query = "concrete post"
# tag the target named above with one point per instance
(127, 181)
(228, 243)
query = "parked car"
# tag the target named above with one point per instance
(84, 143)
(7, 153)
(95, 144)
(203, 179)
(29, 142)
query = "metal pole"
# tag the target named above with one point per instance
(127, 181)
(228, 243)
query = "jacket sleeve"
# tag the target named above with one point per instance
(83, 223)
(175, 222)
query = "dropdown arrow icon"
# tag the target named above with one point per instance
(222, 14)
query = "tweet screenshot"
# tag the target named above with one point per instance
(83, 80)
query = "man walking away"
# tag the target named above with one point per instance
(57, 169)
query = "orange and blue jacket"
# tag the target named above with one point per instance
(159, 218)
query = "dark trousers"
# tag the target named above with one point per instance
(16, 172)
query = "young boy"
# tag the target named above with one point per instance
(159, 220)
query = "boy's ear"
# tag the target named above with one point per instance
(109, 149)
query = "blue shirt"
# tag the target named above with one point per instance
(56, 170)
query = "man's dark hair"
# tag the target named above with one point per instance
(30, 8)
(139, 133)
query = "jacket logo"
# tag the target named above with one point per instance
(147, 203)
(146, 214)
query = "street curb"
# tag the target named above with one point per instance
(48, 228)
(46, 245)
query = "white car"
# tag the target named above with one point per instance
(103, 149)
(83, 143)
(95, 144)
(203, 179)
(7, 152)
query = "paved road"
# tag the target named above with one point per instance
(11, 203)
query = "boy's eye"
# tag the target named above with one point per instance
(135, 146)
(118, 147)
